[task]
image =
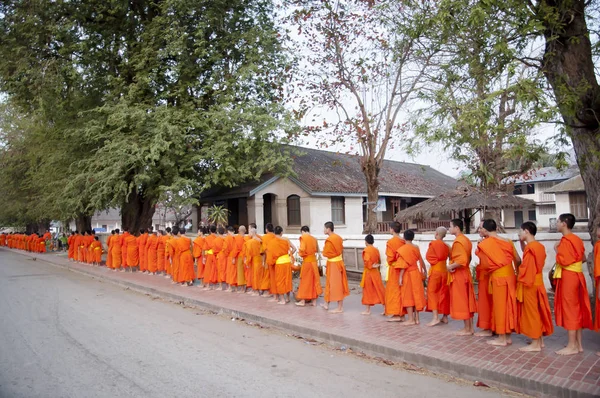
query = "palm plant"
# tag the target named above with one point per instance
(218, 215)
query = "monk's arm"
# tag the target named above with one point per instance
(401, 276)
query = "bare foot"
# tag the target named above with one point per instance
(568, 351)
(283, 302)
(336, 311)
(409, 323)
(313, 303)
(395, 319)
(434, 322)
(498, 342)
(366, 313)
(484, 333)
(464, 332)
(325, 306)
(267, 295)
(300, 303)
(444, 319)
(530, 349)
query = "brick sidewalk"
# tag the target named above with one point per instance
(538, 374)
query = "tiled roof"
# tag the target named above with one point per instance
(574, 184)
(322, 172)
(547, 174)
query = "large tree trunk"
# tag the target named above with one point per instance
(83, 223)
(137, 211)
(371, 172)
(569, 67)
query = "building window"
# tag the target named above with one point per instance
(338, 210)
(530, 188)
(293, 210)
(105, 227)
(531, 214)
(547, 209)
(518, 190)
(578, 202)
(157, 227)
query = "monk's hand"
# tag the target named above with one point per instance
(400, 282)
(376, 265)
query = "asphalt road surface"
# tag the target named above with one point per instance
(66, 335)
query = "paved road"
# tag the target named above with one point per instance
(66, 335)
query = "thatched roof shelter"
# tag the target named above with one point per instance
(461, 199)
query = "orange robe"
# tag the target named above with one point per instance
(169, 255)
(572, 307)
(438, 294)
(231, 264)
(152, 253)
(261, 279)
(160, 253)
(71, 243)
(96, 251)
(175, 256)
(310, 281)
(109, 251)
(198, 251)
(143, 254)
(87, 241)
(133, 255)
(221, 252)
(336, 282)
(266, 238)
(393, 299)
(502, 284)
(534, 317)
(279, 250)
(79, 247)
(211, 274)
(484, 296)
(247, 263)
(412, 289)
(124, 248)
(238, 255)
(373, 290)
(183, 252)
(462, 294)
(117, 251)
(597, 280)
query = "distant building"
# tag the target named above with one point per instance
(327, 186)
(106, 221)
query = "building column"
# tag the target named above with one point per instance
(259, 218)
(195, 218)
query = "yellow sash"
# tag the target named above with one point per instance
(362, 280)
(285, 259)
(439, 267)
(573, 268)
(507, 270)
(210, 252)
(335, 259)
(539, 281)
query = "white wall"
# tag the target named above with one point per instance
(547, 239)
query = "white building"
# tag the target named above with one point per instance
(106, 221)
(537, 185)
(327, 186)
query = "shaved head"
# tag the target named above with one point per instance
(242, 229)
(441, 232)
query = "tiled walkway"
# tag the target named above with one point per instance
(539, 374)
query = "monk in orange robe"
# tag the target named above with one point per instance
(462, 295)
(534, 318)
(210, 268)
(175, 257)
(221, 251)
(142, 240)
(96, 251)
(152, 253)
(183, 249)
(87, 241)
(502, 283)
(47, 238)
(231, 266)
(336, 282)
(261, 279)
(199, 256)
(484, 296)
(160, 252)
(41, 245)
(124, 249)
(597, 281)
(238, 256)
(373, 291)
(79, 246)
(248, 266)
(133, 252)
(169, 253)
(393, 299)
(71, 243)
(109, 249)
(117, 250)
(438, 294)
(280, 250)
(412, 274)
(310, 281)
(572, 307)
(266, 238)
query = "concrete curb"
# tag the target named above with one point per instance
(439, 365)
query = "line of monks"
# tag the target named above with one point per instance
(32, 243)
(512, 297)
